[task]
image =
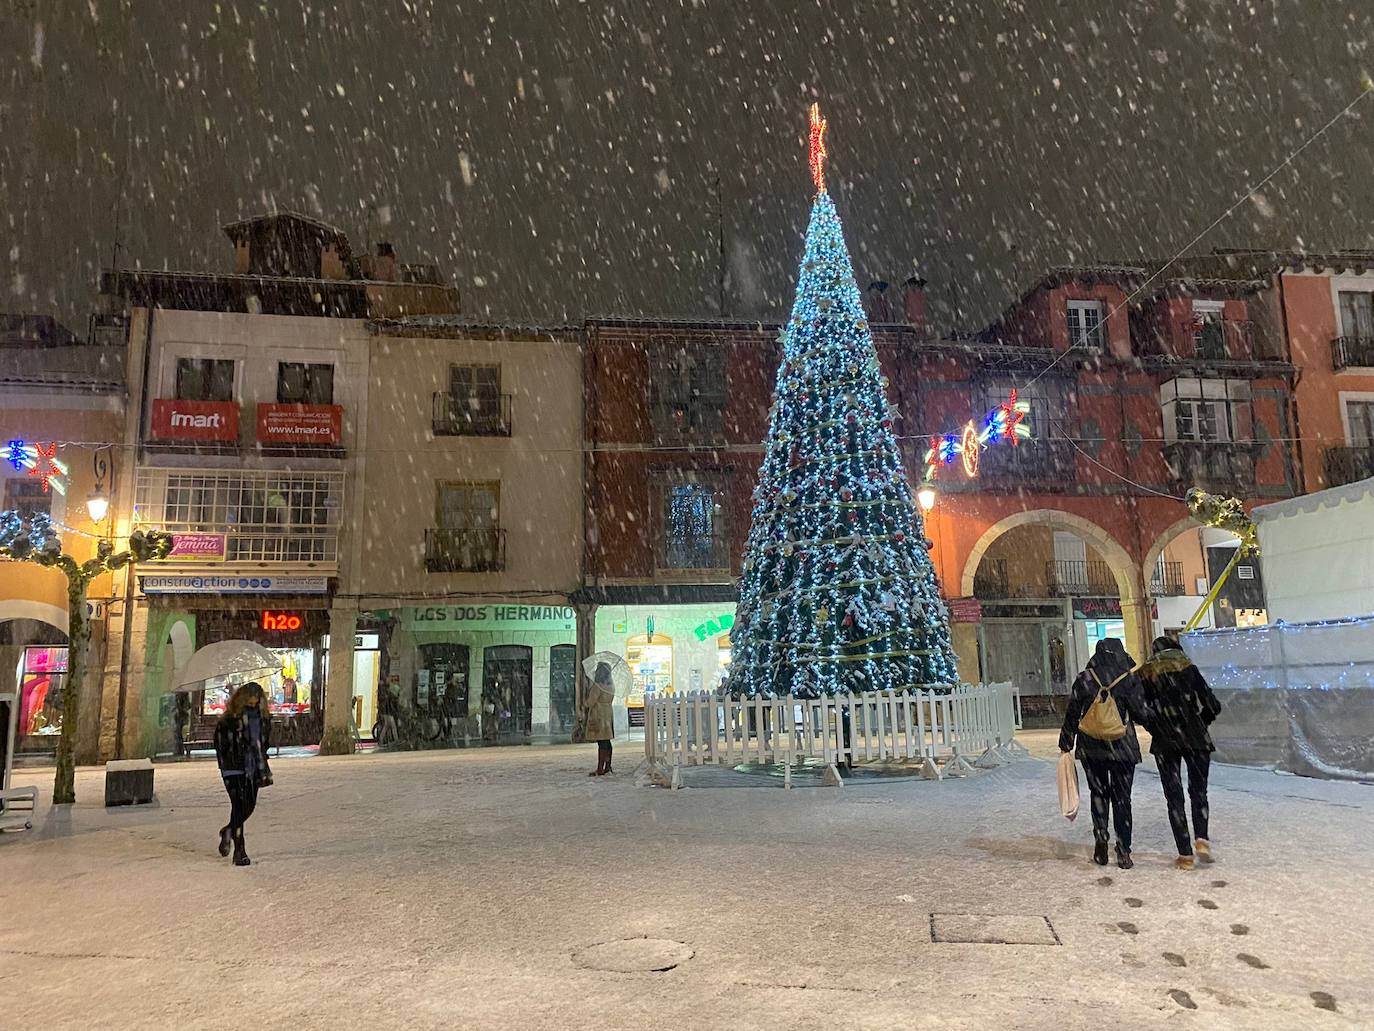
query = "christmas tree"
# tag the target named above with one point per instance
(838, 593)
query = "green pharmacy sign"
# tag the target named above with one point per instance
(715, 627)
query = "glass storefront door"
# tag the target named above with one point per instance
(41, 677)
(507, 691)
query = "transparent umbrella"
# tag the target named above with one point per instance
(239, 659)
(619, 669)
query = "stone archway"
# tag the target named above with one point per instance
(1163, 541)
(52, 615)
(1135, 610)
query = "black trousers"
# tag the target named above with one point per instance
(1171, 776)
(243, 799)
(1110, 785)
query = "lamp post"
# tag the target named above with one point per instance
(98, 501)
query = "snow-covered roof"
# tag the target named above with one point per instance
(283, 213)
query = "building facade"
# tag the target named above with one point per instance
(61, 401)
(246, 422)
(469, 541)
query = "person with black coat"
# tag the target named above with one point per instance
(1183, 708)
(242, 737)
(1109, 766)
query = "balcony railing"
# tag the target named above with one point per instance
(1352, 353)
(465, 551)
(1348, 464)
(1080, 578)
(693, 552)
(474, 415)
(1214, 465)
(1037, 460)
(1167, 580)
(991, 580)
(267, 517)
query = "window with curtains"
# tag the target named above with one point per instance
(1086, 321)
(205, 379)
(1357, 314)
(1207, 410)
(305, 383)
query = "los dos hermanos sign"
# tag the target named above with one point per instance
(476, 617)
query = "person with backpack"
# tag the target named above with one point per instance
(1184, 707)
(1099, 727)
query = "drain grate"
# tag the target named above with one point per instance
(634, 955)
(992, 929)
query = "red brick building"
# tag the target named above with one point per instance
(1075, 534)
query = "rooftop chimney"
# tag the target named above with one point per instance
(878, 303)
(914, 303)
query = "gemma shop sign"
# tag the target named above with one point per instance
(197, 547)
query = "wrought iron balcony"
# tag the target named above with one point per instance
(991, 580)
(1213, 465)
(472, 415)
(1167, 580)
(1080, 578)
(1348, 464)
(465, 551)
(1352, 353)
(681, 553)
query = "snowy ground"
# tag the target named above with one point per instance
(456, 889)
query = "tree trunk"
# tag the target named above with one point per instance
(78, 636)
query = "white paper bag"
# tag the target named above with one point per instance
(1068, 785)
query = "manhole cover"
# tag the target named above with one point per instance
(991, 929)
(634, 955)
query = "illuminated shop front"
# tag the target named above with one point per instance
(42, 672)
(293, 629)
(671, 649)
(484, 673)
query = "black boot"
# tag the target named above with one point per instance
(225, 840)
(240, 853)
(1100, 853)
(1123, 856)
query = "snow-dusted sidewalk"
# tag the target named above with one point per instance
(469, 889)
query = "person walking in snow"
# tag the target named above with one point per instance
(598, 719)
(242, 738)
(1183, 707)
(1105, 704)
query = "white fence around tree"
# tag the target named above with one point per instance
(937, 731)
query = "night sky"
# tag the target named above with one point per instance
(558, 159)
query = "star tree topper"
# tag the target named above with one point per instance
(817, 150)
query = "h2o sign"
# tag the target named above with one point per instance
(282, 621)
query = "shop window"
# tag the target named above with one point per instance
(305, 384)
(40, 692)
(205, 379)
(650, 658)
(441, 682)
(722, 660)
(25, 495)
(686, 390)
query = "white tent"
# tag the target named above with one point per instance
(1318, 554)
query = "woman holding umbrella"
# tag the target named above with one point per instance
(598, 721)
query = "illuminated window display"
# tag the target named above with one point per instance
(40, 689)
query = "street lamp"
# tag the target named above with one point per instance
(98, 502)
(925, 497)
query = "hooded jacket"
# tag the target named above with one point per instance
(1182, 704)
(1109, 662)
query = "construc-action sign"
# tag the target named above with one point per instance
(197, 547)
(299, 424)
(195, 420)
(157, 583)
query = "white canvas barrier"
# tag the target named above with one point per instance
(926, 728)
(1297, 697)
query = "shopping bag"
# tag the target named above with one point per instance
(1068, 785)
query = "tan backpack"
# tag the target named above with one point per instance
(1103, 719)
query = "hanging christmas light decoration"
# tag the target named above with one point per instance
(1005, 423)
(40, 460)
